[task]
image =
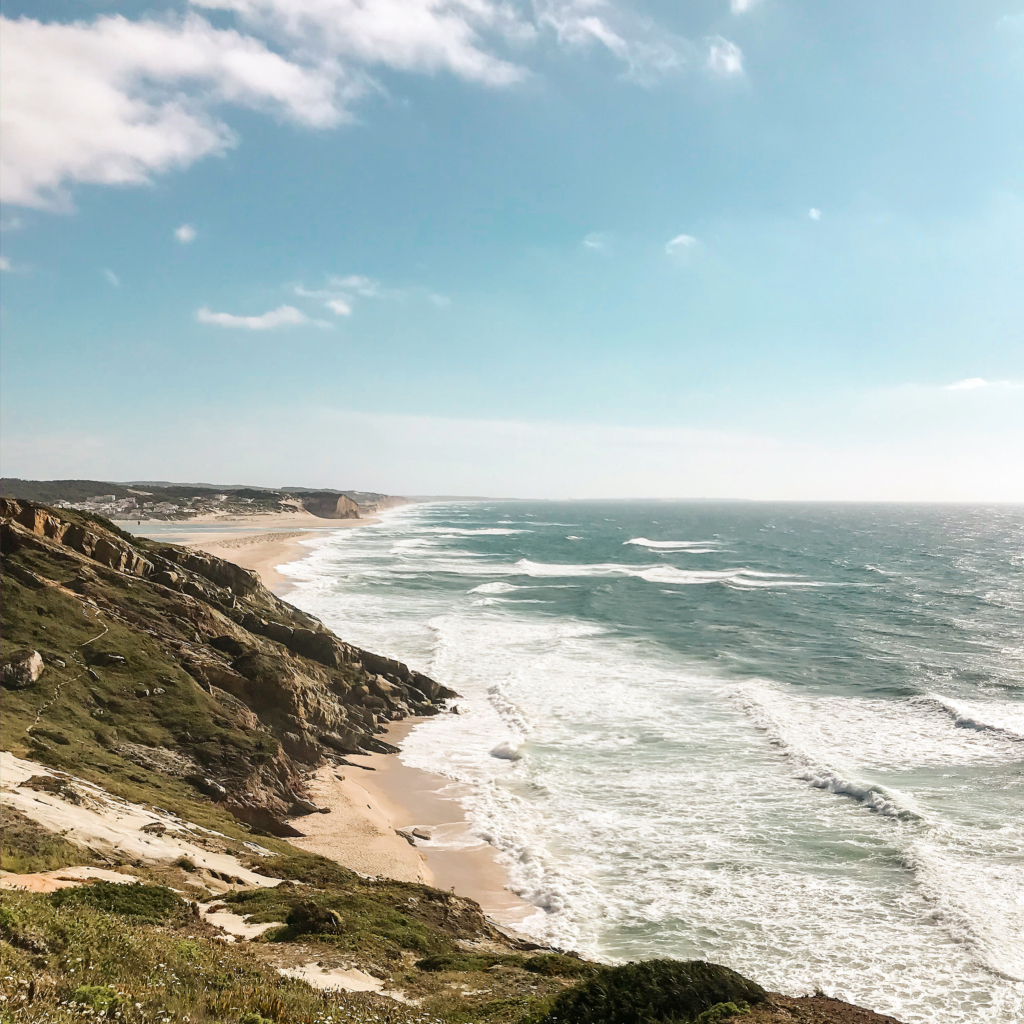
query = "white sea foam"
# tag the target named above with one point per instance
(481, 531)
(666, 574)
(1002, 718)
(772, 712)
(494, 588)
(695, 546)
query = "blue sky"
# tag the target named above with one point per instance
(764, 248)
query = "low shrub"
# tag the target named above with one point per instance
(550, 965)
(101, 998)
(650, 992)
(153, 903)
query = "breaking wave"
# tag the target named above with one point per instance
(742, 578)
(766, 709)
(694, 547)
(1004, 720)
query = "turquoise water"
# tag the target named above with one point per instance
(787, 738)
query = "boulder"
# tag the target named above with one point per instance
(22, 669)
(210, 787)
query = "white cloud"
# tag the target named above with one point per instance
(116, 101)
(975, 383)
(742, 6)
(680, 242)
(112, 277)
(341, 293)
(648, 51)
(725, 58)
(814, 213)
(407, 35)
(596, 241)
(280, 317)
(367, 287)
(5, 263)
(185, 234)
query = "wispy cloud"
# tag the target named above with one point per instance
(342, 291)
(5, 263)
(976, 383)
(814, 213)
(424, 37)
(597, 241)
(679, 244)
(185, 234)
(742, 6)
(111, 277)
(283, 316)
(724, 58)
(648, 51)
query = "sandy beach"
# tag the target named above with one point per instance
(369, 807)
(257, 542)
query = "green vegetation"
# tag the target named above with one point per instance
(722, 1012)
(551, 965)
(101, 998)
(26, 847)
(153, 903)
(98, 714)
(368, 916)
(56, 960)
(651, 992)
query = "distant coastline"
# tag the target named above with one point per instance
(261, 542)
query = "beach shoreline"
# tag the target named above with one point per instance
(369, 801)
(260, 542)
(380, 797)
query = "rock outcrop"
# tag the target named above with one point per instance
(330, 506)
(246, 693)
(22, 669)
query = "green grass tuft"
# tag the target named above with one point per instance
(153, 903)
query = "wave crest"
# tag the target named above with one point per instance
(697, 547)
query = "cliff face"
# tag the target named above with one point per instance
(163, 659)
(330, 506)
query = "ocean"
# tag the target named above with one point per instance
(788, 738)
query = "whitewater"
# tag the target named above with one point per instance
(786, 738)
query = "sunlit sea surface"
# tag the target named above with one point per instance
(787, 738)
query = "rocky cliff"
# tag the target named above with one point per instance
(167, 660)
(330, 506)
